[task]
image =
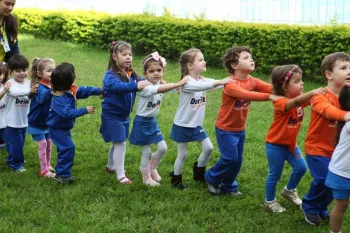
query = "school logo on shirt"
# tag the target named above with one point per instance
(22, 102)
(154, 105)
(2, 107)
(292, 122)
(242, 104)
(197, 102)
(332, 123)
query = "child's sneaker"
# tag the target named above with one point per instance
(21, 170)
(232, 194)
(109, 170)
(212, 189)
(312, 219)
(274, 207)
(63, 180)
(124, 180)
(291, 196)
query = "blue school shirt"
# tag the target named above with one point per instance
(63, 109)
(119, 96)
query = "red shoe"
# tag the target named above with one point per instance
(109, 170)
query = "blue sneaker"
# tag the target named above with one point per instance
(21, 170)
(312, 219)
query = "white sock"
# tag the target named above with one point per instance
(181, 157)
(146, 153)
(110, 163)
(161, 150)
(119, 158)
(207, 149)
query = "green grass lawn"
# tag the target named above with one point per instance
(95, 202)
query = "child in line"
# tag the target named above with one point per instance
(4, 87)
(120, 85)
(325, 113)
(62, 115)
(231, 121)
(39, 112)
(145, 130)
(17, 107)
(281, 139)
(338, 178)
(189, 117)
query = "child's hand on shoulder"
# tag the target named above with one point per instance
(183, 82)
(34, 88)
(347, 116)
(142, 84)
(227, 80)
(90, 109)
(320, 90)
(7, 86)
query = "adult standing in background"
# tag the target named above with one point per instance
(8, 34)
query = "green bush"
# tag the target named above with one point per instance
(272, 44)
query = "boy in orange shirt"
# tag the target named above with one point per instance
(319, 143)
(232, 117)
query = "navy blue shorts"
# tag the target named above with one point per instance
(185, 134)
(145, 131)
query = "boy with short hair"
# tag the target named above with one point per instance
(320, 138)
(63, 113)
(232, 117)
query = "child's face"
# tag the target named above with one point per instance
(154, 72)
(295, 86)
(198, 65)
(123, 59)
(45, 75)
(340, 74)
(20, 75)
(2, 76)
(245, 63)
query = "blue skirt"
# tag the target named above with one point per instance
(38, 134)
(114, 130)
(145, 131)
(335, 181)
(185, 134)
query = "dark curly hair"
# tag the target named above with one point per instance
(232, 57)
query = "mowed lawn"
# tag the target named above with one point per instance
(95, 202)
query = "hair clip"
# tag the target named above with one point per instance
(156, 57)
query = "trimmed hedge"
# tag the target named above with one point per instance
(272, 44)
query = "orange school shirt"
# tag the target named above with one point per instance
(236, 98)
(325, 112)
(286, 124)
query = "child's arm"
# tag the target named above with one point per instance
(262, 86)
(303, 98)
(208, 84)
(237, 92)
(61, 106)
(322, 106)
(7, 87)
(170, 86)
(19, 92)
(112, 83)
(85, 92)
(43, 95)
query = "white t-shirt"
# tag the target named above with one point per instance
(192, 101)
(340, 162)
(2, 109)
(17, 104)
(149, 101)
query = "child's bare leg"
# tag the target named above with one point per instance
(337, 215)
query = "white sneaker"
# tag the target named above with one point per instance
(292, 196)
(274, 207)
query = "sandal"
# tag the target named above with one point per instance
(124, 180)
